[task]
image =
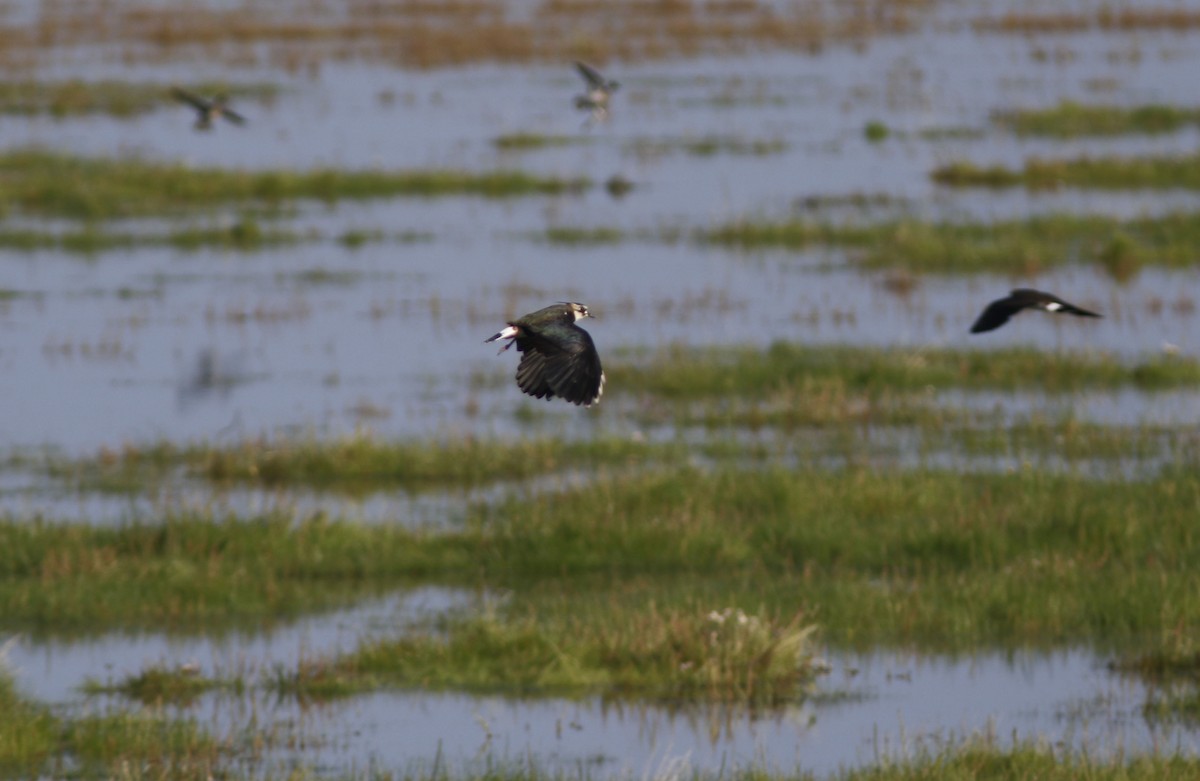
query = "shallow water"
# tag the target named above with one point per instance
(222, 347)
(53, 669)
(869, 706)
(388, 343)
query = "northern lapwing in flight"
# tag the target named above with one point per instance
(558, 358)
(999, 311)
(207, 111)
(599, 90)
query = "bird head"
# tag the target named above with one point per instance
(577, 310)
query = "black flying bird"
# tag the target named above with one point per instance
(999, 311)
(558, 357)
(208, 110)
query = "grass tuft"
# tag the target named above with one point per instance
(876, 131)
(677, 654)
(157, 685)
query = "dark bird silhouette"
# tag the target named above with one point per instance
(558, 357)
(599, 90)
(207, 111)
(999, 311)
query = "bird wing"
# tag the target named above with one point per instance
(1075, 310)
(1049, 302)
(1055, 304)
(233, 116)
(567, 366)
(592, 76)
(532, 374)
(577, 376)
(195, 101)
(995, 315)
(575, 372)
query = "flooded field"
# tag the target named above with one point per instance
(256, 445)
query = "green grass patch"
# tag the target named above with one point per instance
(944, 560)
(37, 743)
(677, 654)
(359, 462)
(1072, 120)
(52, 184)
(618, 186)
(1011, 246)
(158, 746)
(524, 142)
(626, 587)
(199, 572)
(158, 685)
(122, 99)
(784, 388)
(317, 277)
(937, 559)
(957, 132)
(28, 732)
(970, 175)
(811, 404)
(245, 234)
(707, 146)
(876, 131)
(982, 760)
(1073, 440)
(356, 238)
(575, 237)
(679, 373)
(1108, 173)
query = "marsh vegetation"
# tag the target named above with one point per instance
(249, 388)
(48, 184)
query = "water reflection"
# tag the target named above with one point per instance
(870, 705)
(873, 706)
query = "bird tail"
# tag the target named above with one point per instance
(509, 332)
